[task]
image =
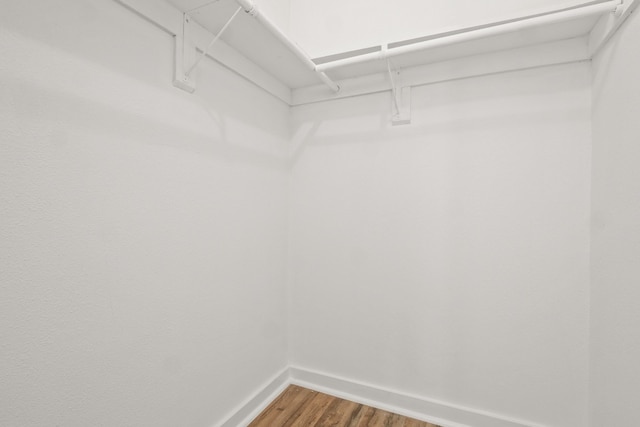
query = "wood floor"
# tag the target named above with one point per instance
(301, 407)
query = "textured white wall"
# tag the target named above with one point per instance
(615, 268)
(142, 232)
(332, 26)
(449, 258)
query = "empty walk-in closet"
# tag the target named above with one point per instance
(410, 212)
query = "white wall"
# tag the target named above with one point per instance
(449, 258)
(142, 232)
(279, 11)
(615, 269)
(332, 26)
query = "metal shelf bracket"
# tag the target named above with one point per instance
(185, 57)
(186, 46)
(400, 98)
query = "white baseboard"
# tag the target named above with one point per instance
(430, 410)
(257, 403)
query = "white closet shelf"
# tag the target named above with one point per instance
(250, 48)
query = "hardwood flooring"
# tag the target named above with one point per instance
(301, 407)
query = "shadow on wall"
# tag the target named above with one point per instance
(119, 83)
(55, 107)
(370, 129)
(150, 62)
(476, 105)
(102, 32)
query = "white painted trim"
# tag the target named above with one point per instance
(257, 403)
(431, 410)
(435, 411)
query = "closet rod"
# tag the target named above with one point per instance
(250, 8)
(474, 33)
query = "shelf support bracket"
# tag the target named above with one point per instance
(185, 53)
(186, 46)
(400, 98)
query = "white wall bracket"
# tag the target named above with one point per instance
(400, 98)
(171, 20)
(402, 115)
(186, 61)
(185, 56)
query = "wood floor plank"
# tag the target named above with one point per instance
(364, 417)
(410, 422)
(305, 413)
(295, 408)
(356, 414)
(285, 406)
(338, 414)
(301, 407)
(313, 411)
(264, 416)
(379, 418)
(394, 420)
